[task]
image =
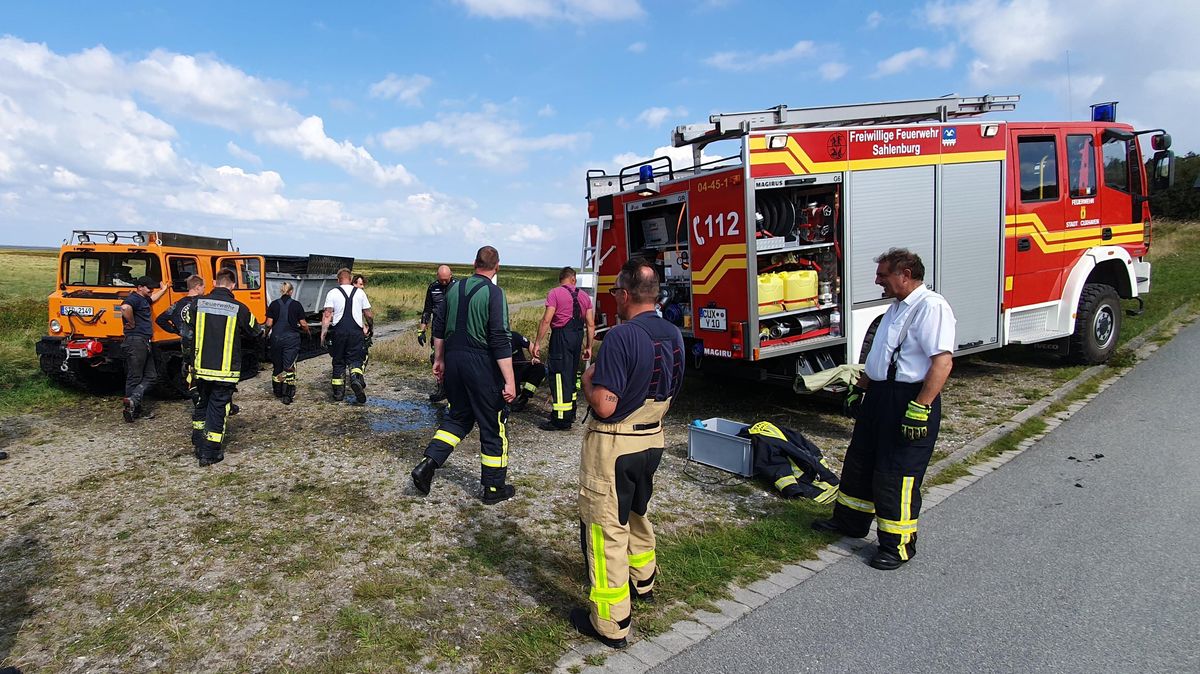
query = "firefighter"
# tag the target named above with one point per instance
(898, 406)
(435, 295)
(569, 317)
(219, 324)
(175, 321)
(285, 322)
(140, 372)
(528, 372)
(348, 311)
(359, 281)
(629, 390)
(473, 359)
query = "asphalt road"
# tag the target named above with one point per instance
(1080, 555)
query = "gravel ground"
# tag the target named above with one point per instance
(308, 543)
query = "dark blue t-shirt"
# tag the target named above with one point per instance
(289, 324)
(141, 316)
(635, 367)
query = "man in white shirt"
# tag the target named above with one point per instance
(898, 406)
(348, 311)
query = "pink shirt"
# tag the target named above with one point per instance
(560, 299)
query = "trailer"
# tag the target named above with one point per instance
(1033, 231)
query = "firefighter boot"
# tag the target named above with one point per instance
(493, 495)
(359, 386)
(582, 622)
(277, 388)
(127, 410)
(645, 597)
(422, 475)
(339, 393)
(289, 393)
(439, 394)
(831, 526)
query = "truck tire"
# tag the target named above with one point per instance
(170, 384)
(1097, 325)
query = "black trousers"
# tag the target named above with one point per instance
(474, 387)
(528, 377)
(208, 418)
(346, 348)
(563, 363)
(140, 372)
(285, 351)
(882, 472)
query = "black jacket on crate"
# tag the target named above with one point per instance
(791, 463)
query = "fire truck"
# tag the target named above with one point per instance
(1033, 231)
(98, 269)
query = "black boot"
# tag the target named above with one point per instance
(127, 410)
(831, 526)
(339, 393)
(422, 475)
(582, 622)
(359, 385)
(277, 388)
(494, 495)
(289, 394)
(520, 402)
(438, 395)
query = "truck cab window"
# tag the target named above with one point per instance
(1039, 169)
(1081, 166)
(181, 269)
(247, 271)
(1116, 164)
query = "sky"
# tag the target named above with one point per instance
(425, 129)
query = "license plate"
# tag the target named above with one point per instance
(77, 311)
(712, 319)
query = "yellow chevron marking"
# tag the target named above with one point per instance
(714, 262)
(725, 267)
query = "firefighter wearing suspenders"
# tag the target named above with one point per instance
(285, 321)
(629, 390)
(176, 320)
(219, 324)
(569, 316)
(898, 406)
(348, 311)
(473, 360)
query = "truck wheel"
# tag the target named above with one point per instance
(1097, 325)
(868, 339)
(170, 384)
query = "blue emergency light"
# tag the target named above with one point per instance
(646, 174)
(1104, 112)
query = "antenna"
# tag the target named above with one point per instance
(1068, 85)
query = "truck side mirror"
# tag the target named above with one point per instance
(1162, 171)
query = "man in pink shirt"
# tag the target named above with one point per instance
(572, 324)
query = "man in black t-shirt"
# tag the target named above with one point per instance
(528, 371)
(629, 388)
(140, 373)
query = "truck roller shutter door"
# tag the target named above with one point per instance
(971, 243)
(889, 208)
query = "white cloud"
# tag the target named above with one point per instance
(654, 117)
(65, 179)
(489, 136)
(874, 19)
(919, 56)
(681, 157)
(735, 61)
(1147, 63)
(547, 110)
(833, 70)
(309, 138)
(243, 154)
(636, 47)
(407, 90)
(578, 11)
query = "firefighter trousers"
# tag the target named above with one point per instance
(208, 418)
(474, 387)
(616, 481)
(882, 472)
(285, 351)
(346, 349)
(563, 364)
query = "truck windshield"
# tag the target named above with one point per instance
(113, 270)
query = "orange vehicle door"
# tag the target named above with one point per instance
(248, 272)
(179, 268)
(1035, 227)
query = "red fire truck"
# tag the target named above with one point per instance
(1033, 231)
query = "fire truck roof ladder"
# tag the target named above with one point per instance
(731, 125)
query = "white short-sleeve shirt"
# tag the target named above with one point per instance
(336, 301)
(931, 332)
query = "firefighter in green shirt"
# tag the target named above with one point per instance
(473, 359)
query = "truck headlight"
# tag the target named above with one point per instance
(55, 326)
